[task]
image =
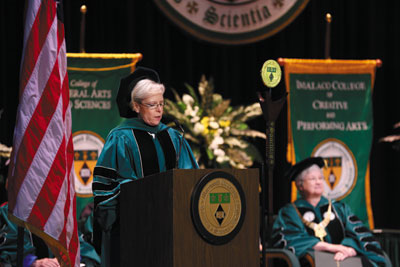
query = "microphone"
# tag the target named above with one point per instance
(180, 143)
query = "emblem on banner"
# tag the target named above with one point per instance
(232, 21)
(87, 148)
(333, 171)
(218, 207)
(340, 171)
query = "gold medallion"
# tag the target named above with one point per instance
(271, 73)
(319, 231)
(218, 207)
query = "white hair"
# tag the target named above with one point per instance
(300, 178)
(145, 88)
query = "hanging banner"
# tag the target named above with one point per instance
(93, 82)
(330, 116)
(232, 22)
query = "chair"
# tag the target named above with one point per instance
(277, 253)
(292, 261)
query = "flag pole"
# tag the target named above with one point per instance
(328, 19)
(20, 246)
(83, 26)
(271, 76)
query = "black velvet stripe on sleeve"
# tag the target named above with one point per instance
(96, 186)
(106, 172)
(99, 199)
(354, 219)
(148, 152)
(371, 247)
(168, 149)
(368, 239)
(361, 229)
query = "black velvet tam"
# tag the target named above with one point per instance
(304, 164)
(127, 84)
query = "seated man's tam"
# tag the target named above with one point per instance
(304, 164)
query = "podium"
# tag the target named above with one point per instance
(158, 222)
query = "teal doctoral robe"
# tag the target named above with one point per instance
(344, 228)
(132, 150)
(8, 240)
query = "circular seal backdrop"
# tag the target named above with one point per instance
(232, 21)
(218, 207)
(341, 168)
(87, 148)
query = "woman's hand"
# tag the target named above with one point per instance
(46, 262)
(341, 252)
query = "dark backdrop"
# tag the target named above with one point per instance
(361, 29)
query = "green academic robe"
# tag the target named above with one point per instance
(8, 240)
(344, 228)
(132, 150)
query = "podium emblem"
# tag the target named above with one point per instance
(218, 207)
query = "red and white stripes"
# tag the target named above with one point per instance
(41, 185)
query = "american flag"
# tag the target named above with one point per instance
(41, 190)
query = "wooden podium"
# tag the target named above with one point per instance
(157, 228)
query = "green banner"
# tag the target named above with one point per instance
(330, 116)
(93, 83)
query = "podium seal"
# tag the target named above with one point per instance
(218, 207)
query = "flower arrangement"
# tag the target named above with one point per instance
(217, 132)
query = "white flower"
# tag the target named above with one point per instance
(191, 111)
(221, 159)
(187, 99)
(188, 110)
(227, 129)
(195, 110)
(195, 119)
(218, 140)
(214, 125)
(219, 152)
(198, 128)
(232, 141)
(220, 155)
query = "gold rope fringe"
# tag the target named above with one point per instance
(135, 58)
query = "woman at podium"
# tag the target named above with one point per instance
(313, 223)
(140, 146)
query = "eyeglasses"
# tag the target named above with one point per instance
(153, 105)
(314, 179)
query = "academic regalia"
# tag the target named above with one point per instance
(344, 228)
(89, 255)
(132, 150)
(8, 241)
(33, 246)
